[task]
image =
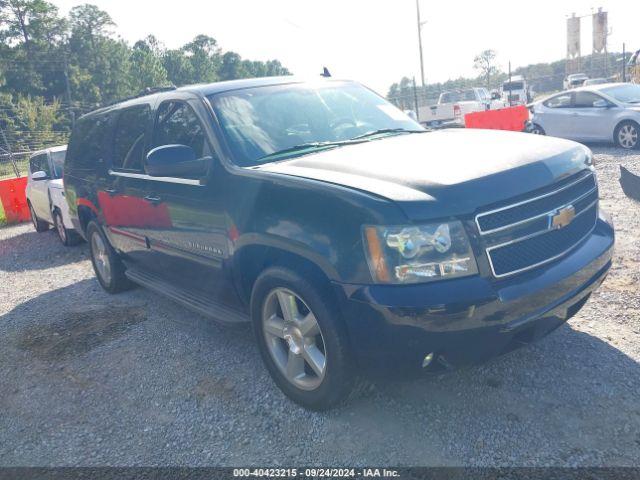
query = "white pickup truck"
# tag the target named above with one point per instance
(453, 105)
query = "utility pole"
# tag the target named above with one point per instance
(509, 97)
(624, 63)
(415, 99)
(420, 24)
(72, 114)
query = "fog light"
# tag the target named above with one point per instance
(427, 360)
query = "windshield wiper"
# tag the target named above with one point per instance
(301, 147)
(331, 144)
(382, 131)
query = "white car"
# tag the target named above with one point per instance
(575, 80)
(46, 197)
(596, 113)
(453, 105)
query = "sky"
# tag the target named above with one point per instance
(374, 41)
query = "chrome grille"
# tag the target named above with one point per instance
(521, 236)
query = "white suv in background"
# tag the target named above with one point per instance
(45, 194)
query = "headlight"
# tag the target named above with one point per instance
(422, 253)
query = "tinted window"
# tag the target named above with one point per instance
(129, 138)
(57, 160)
(585, 99)
(178, 124)
(513, 86)
(559, 101)
(86, 145)
(258, 122)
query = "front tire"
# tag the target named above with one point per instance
(537, 130)
(39, 225)
(627, 135)
(67, 237)
(301, 338)
(107, 266)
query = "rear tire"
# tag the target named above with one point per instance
(107, 265)
(627, 135)
(39, 225)
(305, 350)
(67, 236)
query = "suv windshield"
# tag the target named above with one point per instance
(624, 93)
(57, 159)
(512, 86)
(258, 123)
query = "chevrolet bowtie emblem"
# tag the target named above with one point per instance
(562, 217)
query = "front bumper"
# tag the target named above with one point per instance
(470, 320)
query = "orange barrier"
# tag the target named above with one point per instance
(14, 199)
(512, 118)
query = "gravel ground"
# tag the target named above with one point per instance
(92, 379)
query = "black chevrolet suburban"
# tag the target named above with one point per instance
(353, 239)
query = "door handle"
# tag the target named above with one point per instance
(111, 191)
(152, 199)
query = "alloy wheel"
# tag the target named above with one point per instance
(628, 136)
(294, 339)
(101, 257)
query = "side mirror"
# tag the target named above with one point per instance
(39, 175)
(601, 104)
(175, 161)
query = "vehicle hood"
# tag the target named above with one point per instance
(443, 173)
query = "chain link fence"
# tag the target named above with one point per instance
(17, 147)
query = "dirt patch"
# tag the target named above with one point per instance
(214, 387)
(79, 332)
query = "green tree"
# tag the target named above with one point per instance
(485, 63)
(204, 55)
(231, 67)
(147, 69)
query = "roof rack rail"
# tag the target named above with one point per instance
(146, 91)
(150, 90)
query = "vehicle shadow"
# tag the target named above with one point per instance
(37, 251)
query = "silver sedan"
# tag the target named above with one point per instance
(595, 113)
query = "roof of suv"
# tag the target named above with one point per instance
(218, 87)
(206, 89)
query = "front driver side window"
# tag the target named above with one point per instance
(177, 124)
(586, 99)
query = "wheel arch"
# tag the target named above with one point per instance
(252, 259)
(625, 120)
(85, 215)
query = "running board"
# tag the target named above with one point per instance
(194, 302)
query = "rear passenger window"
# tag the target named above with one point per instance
(129, 138)
(87, 142)
(559, 101)
(178, 124)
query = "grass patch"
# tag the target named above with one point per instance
(3, 219)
